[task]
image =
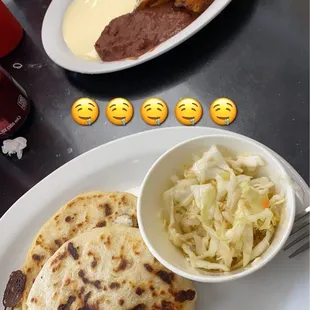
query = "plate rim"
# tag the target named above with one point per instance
(101, 68)
(15, 205)
(167, 131)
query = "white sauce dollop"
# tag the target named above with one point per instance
(84, 21)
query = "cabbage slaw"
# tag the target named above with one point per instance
(219, 214)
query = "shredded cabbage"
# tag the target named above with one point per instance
(221, 214)
(249, 163)
(209, 165)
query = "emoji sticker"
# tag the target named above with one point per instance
(223, 111)
(188, 111)
(85, 111)
(154, 111)
(119, 111)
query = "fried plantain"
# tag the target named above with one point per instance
(142, 4)
(196, 6)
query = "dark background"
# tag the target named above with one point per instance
(256, 52)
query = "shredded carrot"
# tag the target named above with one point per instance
(265, 202)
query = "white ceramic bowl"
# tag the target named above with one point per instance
(158, 180)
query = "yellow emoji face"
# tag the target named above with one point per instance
(223, 111)
(188, 111)
(119, 111)
(154, 111)
(85, 111)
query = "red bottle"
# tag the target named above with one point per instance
(14, 105)
(11, 31)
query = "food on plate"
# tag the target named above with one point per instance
(197, 6)
(14, 289)
(83, 213)
(142, 4)
(120, 29)
(132, 35)
(84, 21)
(108, 268)
(222, 213)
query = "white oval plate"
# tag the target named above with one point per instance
(58, 51)
(122, 164)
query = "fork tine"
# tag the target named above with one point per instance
(301, 215)
(298, 228)
(301, 237)
(301, 249)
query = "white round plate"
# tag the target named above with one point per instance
(121, 165)
(58, 51)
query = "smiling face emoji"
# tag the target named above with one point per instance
(223, 111)
(154, 111)
(188, 111)
(85, 111)
(119, 111)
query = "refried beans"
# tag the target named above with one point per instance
(132, 35)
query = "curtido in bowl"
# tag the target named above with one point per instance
(216, 208)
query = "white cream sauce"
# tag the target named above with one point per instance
(85, 20)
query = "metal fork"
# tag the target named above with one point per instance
(300, 232)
